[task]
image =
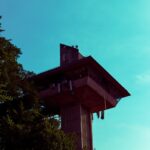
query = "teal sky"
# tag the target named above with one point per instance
(116, 33)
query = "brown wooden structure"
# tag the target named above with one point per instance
(76, 89)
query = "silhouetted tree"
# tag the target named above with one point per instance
(22, 124)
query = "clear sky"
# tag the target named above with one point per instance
(115, 32)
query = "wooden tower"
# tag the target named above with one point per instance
(76, 89)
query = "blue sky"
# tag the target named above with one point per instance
(116, 33)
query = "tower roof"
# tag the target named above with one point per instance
(79, 79)
(86, 61)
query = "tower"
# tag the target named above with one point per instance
(75, 90)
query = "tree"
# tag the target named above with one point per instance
(23, 126)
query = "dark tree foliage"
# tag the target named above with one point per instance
(22, 124)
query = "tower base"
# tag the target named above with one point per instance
(76, 119)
